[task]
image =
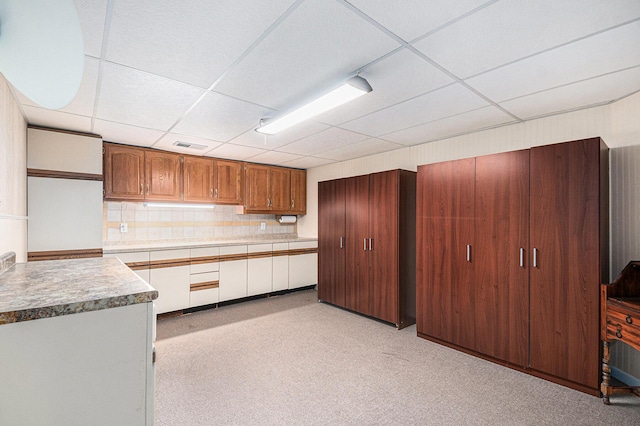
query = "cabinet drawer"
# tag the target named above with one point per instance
(623, 324)
(204, 289)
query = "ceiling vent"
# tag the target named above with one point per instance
(189, 145)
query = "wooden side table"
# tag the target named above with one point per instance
(620, 320)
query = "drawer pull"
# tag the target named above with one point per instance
(629, 319)
(618, 334)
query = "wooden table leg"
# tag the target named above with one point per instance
(605, 387)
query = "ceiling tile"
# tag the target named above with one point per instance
(509, 30)
(320, 43)
(450, 100)
(323, 141)
(56, 119)
(308, 162)
(219, 117)
(139, 98)
(83, 103)
(234, 152)
(274, 157)
(600, 54)
(360, 149)
(589, 92)
(192, 41)
(257, 140)
(92, 15)
(467, 122)
(412, 18)
(123, 133)
(398, 77)
(168, 140)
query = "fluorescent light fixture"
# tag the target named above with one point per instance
(186, 206)
(353, 88)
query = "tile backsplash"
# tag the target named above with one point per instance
(179, 223)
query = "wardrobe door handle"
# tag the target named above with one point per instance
(521, 257)
(365, 244)
(535, 257)
(468, 252)
(370, 244)
(341, 246)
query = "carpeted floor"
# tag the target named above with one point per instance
(289, 360)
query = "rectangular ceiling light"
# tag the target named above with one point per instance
(350, 90)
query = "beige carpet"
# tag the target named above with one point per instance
(289, 360)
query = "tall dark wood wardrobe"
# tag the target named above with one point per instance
(511, 250)
(366, 245)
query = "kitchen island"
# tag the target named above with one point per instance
(77, 344)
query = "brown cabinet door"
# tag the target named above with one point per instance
(331, 242)
(228, 182)
(257, 188)
(279, 189)
(162, 176)
(357, 252)
(198, 179)
(384, 200)
(298, 191)
(445, 223)
(501, 281)
(564, 282)
(123, 173)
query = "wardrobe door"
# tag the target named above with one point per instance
(384, 199)
(501, 275)
(566, 270)
(331, 241)
(357, 250)
(445, 222)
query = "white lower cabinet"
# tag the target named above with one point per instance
(280, 266)
(138, 261)
(172, 282)
(233, 272)
(259, 269)
(303, 268)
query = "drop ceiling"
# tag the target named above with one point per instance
(203, 72)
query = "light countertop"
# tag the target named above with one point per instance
(137, 246)
(45, 289)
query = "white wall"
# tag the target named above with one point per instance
(13, 175)
(618, 124)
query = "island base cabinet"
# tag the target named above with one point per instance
(88, 368)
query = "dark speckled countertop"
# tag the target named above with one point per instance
(45, 289)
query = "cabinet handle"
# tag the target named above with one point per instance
(535, 257)
(341, 246)
(211, 193)
(215, 193)
(141, 189)
(365, 244)
(618, 334)
(521, 257)
(293, 204)
(148, 191)
(370, 243)
(629, 320)
(468, 252)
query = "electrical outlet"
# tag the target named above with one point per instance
(124, 228)
(263, 226)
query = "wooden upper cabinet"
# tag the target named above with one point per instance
(298, 191)
(197, 179)
(280, 189)
(123, 172)
(163, 176)
(257, 188)
(228, 181)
